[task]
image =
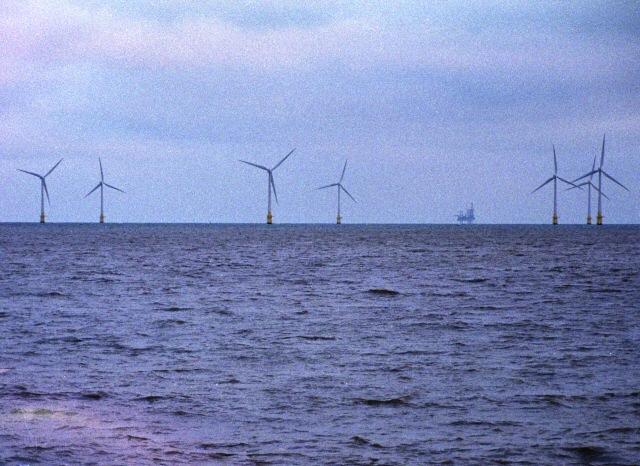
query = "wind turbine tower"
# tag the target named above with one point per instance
(601, 172)
(101, 185)
(340, 188)
(590, 185)
(43, 188)
(271, 185)
(555, 179)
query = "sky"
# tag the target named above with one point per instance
(435, 105)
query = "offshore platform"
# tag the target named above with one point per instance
(466, 217)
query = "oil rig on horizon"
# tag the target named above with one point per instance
(466, 217)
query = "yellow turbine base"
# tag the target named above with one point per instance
(42, 217)
(588, 219)
(599, 218)
(269, 218)
(555, 218)
(101, 218)
(339, 220)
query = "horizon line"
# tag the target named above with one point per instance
(311, 224)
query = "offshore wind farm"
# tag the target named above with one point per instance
(177, 327)
(450, 109)
(462, 219)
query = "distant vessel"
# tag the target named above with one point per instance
(466, 217)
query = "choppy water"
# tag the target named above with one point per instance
(199, 344)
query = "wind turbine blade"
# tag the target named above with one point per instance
(280, 162)
(329, 185)
(113, 187)
(602, 156)
(101, 172)
(588, 174)
(577, 186)
(93, 189)
(254, 165)
(273, 185)
(44, 183)
(342, 187)
(596, 188)
(612, 179)
(568, 182)
(54, 167)
(555, 162)
(548, 181)
(345, 167)
(30, 173)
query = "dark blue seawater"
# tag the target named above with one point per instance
(240, 345)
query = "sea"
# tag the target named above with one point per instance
(176, 344)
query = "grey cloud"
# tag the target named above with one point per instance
(442, 107)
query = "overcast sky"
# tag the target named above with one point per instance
(435, 105)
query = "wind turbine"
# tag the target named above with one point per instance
(101, 185)
(555, 179)
(601, 172)
(43, 188)
(340, 188)
(272, 185)
(590, 184)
